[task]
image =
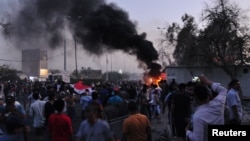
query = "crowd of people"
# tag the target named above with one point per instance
(195, 105)
(51, 111)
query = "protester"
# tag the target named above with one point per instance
(62, 95)
(71, 102)
(132, 93)
(13, 108)
(59, 124)
(189, 90)
(30, 97)
(48, 107)
(156, 105)
(14, 130)
(143, 101)
(181, 107)
(84, 102)
(49, 110)
(114, 99)
(137, 126)
(37, 112)
(209, 111)
(104, 94)
(168, 99)
(95, 99)
(234, 103)
(1, 91)
(94, 128)
(2, 109)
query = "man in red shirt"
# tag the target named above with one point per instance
(59, 125)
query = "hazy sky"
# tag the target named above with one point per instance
(148, 14)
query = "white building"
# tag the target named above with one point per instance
(184, 74)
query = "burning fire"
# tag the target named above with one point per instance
(154, 74)
(154, 80)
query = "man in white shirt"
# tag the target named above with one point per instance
(30, 97)
(234, 103)
(209, 111)
(37, 110)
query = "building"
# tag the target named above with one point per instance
(35, 63)
(183, 74)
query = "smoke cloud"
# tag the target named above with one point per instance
(39, 20)
(110, 26)
(97, 26)
(154, 70)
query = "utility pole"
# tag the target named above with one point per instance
(111, 63)
(123, 64)
(107, 75)
(111, 69)
(65, 55)
(75, 52)
(75, 39)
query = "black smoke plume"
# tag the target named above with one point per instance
(110, 26)
(155, 70)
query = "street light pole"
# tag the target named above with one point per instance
(75, 51)
(107, 74)
(65, 61)
(75, 40)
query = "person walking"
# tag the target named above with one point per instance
(95, 99)
(84, 102)
(181, 108)
(14, 130)
(137, 126)
(59, 124)
(234, 103)
(71, 102)
(94, 128)
(37, 112)
(156, 105)
(49, 107)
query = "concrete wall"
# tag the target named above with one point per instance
(184, 74)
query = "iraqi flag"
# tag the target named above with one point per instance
(80, 88)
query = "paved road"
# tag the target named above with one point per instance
(160, 132)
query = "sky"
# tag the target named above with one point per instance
(151, 17)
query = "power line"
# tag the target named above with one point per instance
(8, 60)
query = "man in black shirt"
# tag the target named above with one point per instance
(181, 107)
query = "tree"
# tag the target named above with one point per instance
(225, 37)
(185, 40)
(224, 41)
(7, 74)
